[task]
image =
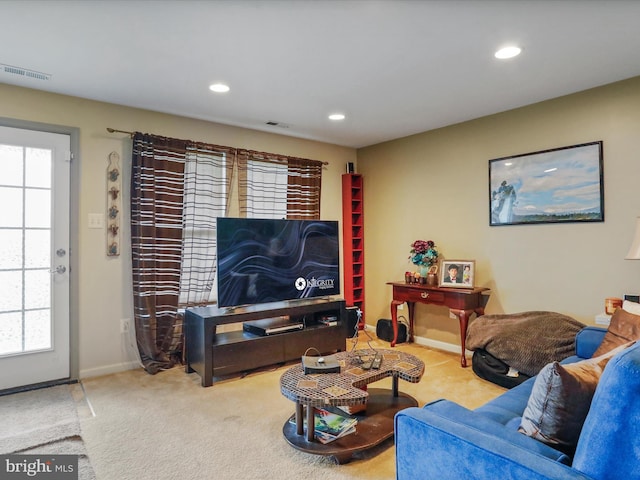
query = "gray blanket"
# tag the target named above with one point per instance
(526, 341)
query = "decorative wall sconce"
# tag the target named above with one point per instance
(114, 187)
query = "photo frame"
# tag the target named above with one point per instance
(465, 273)
(559, 185)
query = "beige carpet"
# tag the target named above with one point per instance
(44, 422)
(168, 427)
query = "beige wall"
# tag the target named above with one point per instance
(567, 268)
(434, 185)
(104, 283)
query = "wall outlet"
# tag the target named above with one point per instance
(125, 325)
(453, 315)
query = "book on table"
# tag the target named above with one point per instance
(331, 424)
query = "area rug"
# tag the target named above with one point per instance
(45, 422)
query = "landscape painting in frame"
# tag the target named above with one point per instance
(551, 186)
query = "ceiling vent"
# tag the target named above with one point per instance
(277, 124)
(24, 72)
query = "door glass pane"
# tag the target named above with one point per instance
(37, 248)
(38, 208)
(37, 330)
(11, 217)
(38, 168)
(11, 328)
(34, 303)
(37, 289)
(11, 161)
(11, 248)
(11, 291)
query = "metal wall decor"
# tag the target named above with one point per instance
(114, 202)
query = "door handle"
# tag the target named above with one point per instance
(424, 294)
(59, 269)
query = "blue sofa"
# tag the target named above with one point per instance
(444, 440)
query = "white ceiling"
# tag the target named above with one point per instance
(394, 68)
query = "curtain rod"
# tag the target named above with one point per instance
(113, 130)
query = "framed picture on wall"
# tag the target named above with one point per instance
(457, 273)
(551, 186)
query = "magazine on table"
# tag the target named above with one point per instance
(331, 424)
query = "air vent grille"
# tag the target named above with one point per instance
(271, 123)
(24, 72)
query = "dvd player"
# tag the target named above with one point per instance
(272, 326)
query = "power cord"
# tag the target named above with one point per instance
(355, 337)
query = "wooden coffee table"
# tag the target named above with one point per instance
(348, 388)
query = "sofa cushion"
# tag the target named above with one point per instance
(623, 328)
(560, 400)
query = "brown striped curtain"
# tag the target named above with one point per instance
(157, 182)
(178, 189)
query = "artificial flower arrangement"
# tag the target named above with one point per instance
(423, 253)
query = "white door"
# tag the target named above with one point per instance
(34, 257)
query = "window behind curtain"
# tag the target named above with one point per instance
(266, 190)
(207, 182)
(276, 186)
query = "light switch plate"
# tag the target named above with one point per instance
(96, 220)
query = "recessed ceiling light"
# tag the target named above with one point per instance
(508, 52)
(219, 88)
(336, 116)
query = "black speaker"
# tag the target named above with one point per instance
(352, 321)
(384, 331)
(350, 167)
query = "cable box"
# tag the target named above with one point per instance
(272, 326)
(312, 365)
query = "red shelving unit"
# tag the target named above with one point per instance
(353, 241)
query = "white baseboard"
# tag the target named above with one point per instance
(108, 369)
(429, 342)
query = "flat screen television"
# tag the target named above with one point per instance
(271, 260)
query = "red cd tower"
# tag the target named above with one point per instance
(353, 242)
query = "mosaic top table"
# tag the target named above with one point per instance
(349, 388)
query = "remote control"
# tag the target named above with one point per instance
(376, 362)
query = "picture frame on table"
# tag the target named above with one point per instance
(558, 185)
(457, 273)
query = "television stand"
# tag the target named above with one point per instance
(212, 354)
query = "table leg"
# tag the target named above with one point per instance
(299, 418)
(394, 320)
(311, 423)
(412, 308)
(463, 318)
(394, 385)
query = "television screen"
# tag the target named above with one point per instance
(269, 260)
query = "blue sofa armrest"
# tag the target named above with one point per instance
(446, 441)
(588, 340)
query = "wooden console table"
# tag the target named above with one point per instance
(462, 302)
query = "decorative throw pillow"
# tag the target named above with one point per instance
(623, 328)
(560, 400)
